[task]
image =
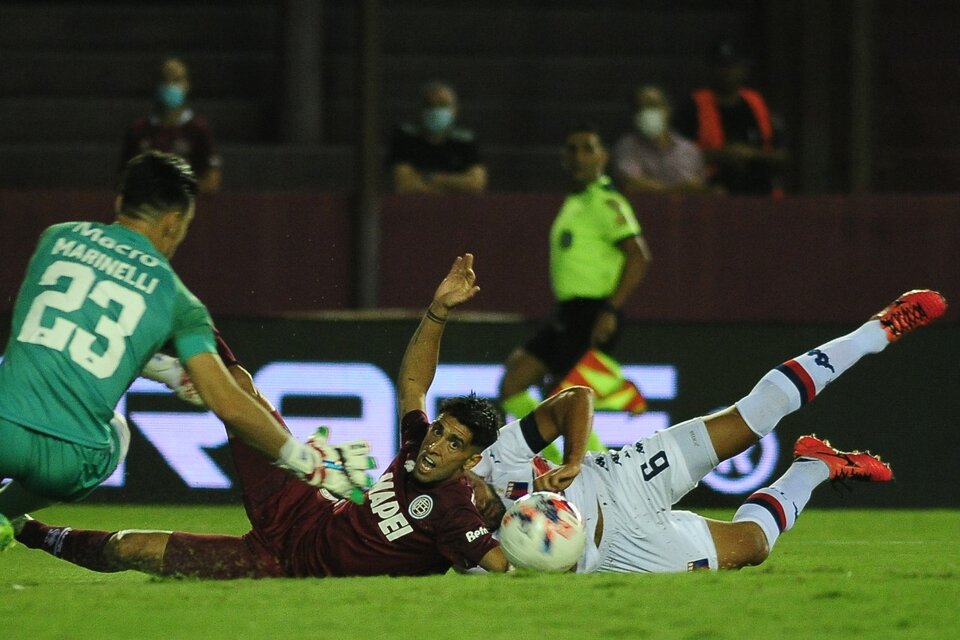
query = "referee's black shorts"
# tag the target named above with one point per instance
(563, 339)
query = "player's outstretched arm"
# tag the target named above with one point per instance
(568, 414)
(419, 363)
(338, 469)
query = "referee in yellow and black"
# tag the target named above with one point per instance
(597, 258)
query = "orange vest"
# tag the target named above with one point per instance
(711, 134)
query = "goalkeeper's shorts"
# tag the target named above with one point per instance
(57, 469)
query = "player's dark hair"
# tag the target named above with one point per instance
(155, 183)
(477, 414)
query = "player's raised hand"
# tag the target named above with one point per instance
(459, 285)
(344, 467)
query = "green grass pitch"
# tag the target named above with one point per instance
(838, 573)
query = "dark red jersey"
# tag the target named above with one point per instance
(403, 528)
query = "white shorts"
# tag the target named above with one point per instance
(641, 483)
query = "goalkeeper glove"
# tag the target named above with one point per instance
(341, 469)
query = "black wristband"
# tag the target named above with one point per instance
(434, 317)
(609, 307)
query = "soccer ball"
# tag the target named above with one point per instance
(542, 531)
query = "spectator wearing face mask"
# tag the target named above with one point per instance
(433, 155)
(653, 158)
(173, 127)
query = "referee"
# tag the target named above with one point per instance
(597, 258)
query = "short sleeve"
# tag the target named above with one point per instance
(620, 221)
(413, 427)
(463, 539)
(509, 455)
(192, 326)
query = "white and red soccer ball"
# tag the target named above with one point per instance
(542, 531)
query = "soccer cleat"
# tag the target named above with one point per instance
(854, 465)
(911, 310)
(6, 534)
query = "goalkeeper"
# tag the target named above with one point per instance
(418, 519)
(96, 302)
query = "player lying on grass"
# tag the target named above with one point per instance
(96, 302)
(418, 519)
(627, 496)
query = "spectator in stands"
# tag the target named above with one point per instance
(173, 127)
(734, 128)
(653, 158)
(434, 155)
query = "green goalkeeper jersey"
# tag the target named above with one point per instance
(585, 261)
(97, 302)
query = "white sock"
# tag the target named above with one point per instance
(775, 508)
(798, 381)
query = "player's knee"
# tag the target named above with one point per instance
(739, 544)
(756, 548)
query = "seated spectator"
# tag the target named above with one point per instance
(732, 125)
(653, 158)
(434, 155)
(172, 127)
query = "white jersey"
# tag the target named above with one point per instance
(510, 466)
(635, 487)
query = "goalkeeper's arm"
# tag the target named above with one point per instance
(244, 415)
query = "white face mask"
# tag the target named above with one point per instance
(651, 122)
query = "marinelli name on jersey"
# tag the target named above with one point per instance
(113, 267)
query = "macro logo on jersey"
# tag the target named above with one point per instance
(420, 507)
(113, 267)
(383, 503)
